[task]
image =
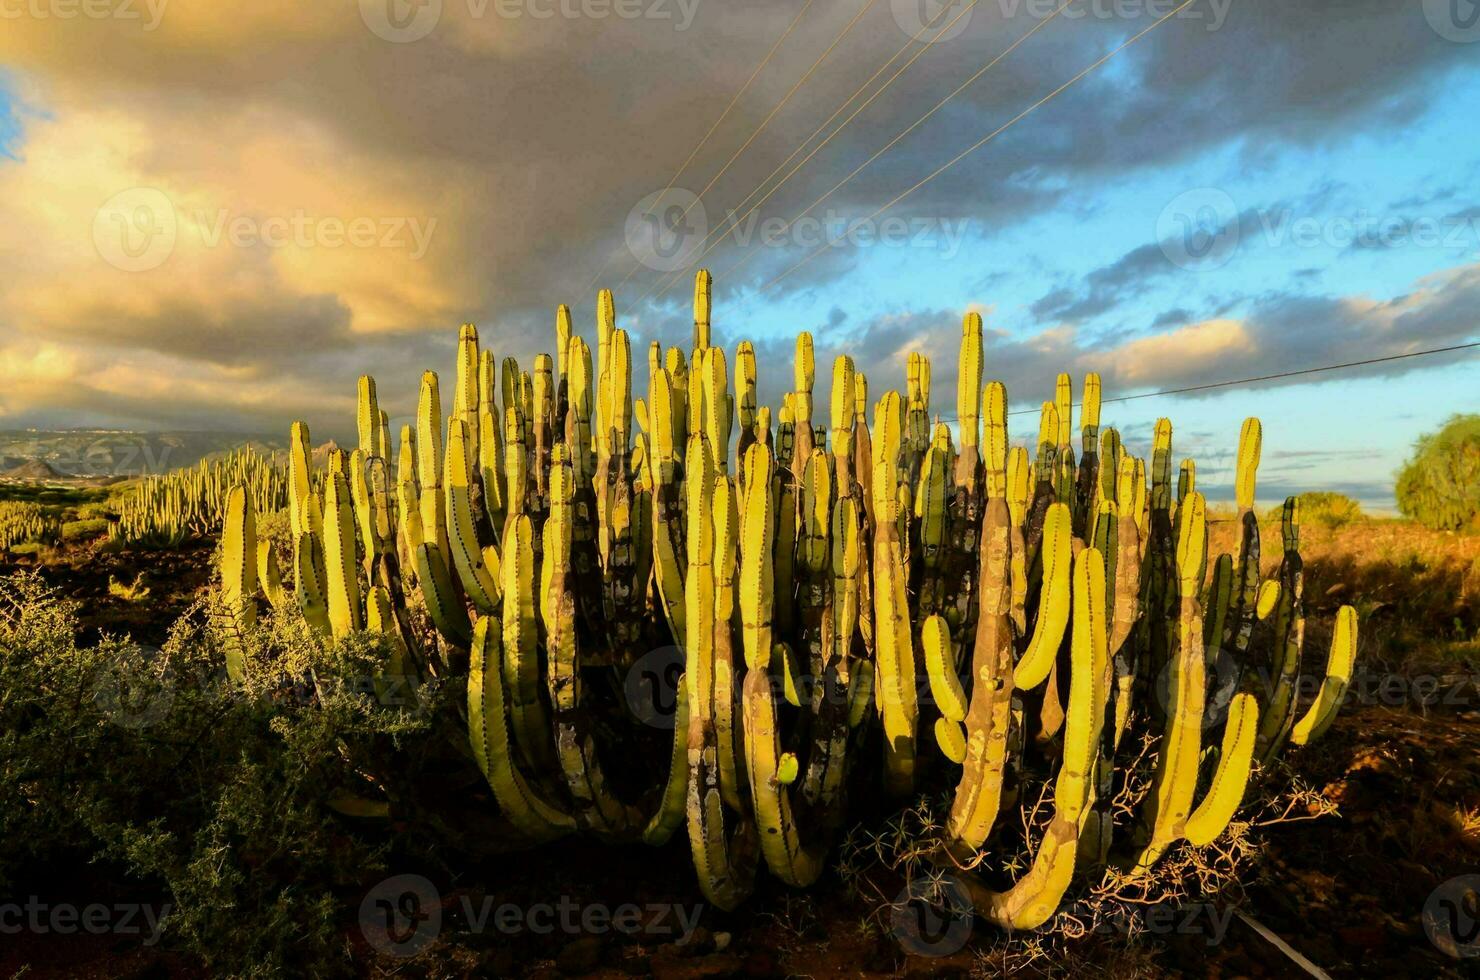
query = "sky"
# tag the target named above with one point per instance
(216, 216)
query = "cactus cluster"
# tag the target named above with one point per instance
(859, 603)
(164, 511)
(23, 522)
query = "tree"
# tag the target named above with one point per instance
(1439, 486)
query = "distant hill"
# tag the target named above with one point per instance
(31, 470)
(42, 454)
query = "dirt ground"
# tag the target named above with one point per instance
(1347, 889)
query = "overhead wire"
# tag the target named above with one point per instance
(637, 264)
(719, 234)
(705, 138)
(980, 143)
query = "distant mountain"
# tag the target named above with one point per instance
(31, 471)
(105, 453)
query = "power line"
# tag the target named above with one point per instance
(705, 139)
(901, 135)
(719, 233)
(766, 121)
(1279, 375)
(981, 142)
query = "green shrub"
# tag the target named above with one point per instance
(1439, 486)
(1322, 507)
(84, 530)
(147, 760)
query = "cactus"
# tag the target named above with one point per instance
(537, 545)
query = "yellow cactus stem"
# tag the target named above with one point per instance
(1169, 804)
(979, 792)
(1250, 441)
(488, 728)
(346, 614)
(465, 393)
(669, 558)
(841, 416)
(520, 657)
(950, 737)
(595, 808)
(669, 815)
(945, 686)
(1289, 641)
(299, 477)
(1034, 898)
(803, 376)
(564, 330)
(1269, 595)
(1339, 662)
(703, 301)
(725, 860)
(467, 554)
(309, 582)
(239, 576)
(894, 653)
(270, 577)
(1053, 607)
(789, 858)
(367, 418)
(745, 397)
(1063, 403)
(757, 573)
(1231, 777)
(726, 531)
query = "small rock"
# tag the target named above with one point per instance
(721, 941)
